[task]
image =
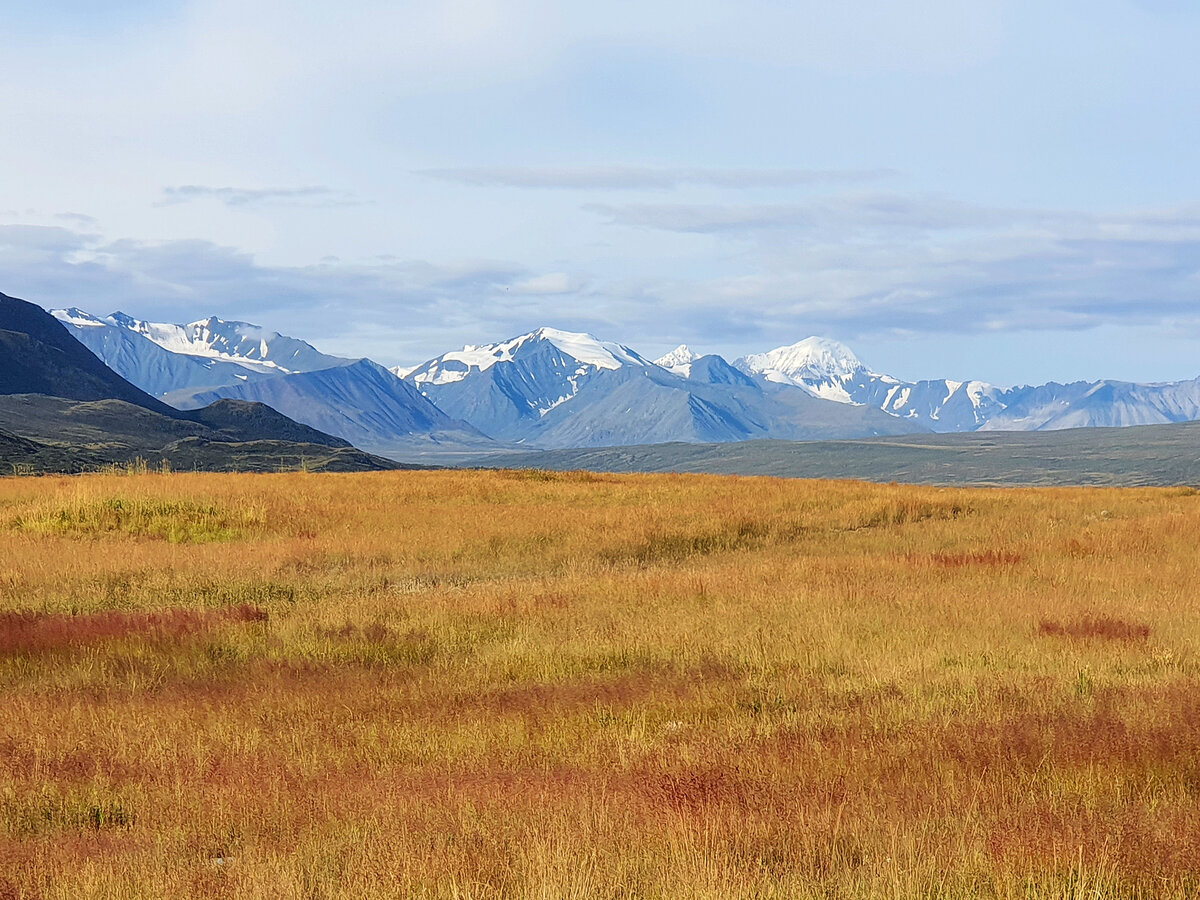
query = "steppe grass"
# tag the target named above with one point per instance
(534, 684)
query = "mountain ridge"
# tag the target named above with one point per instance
(549, 388)
(361, 402)
(525, 390)
(167, 360)
(63, 409)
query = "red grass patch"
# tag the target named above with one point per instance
(697, 788)
(1148, 850)
(21, 760)
(1154, 729)
(33, 632)
(1104, 628)
(22, 855)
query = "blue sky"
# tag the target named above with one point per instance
(996, 190)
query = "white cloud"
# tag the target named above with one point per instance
(314, 195)
(550, 283)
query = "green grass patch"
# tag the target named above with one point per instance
(52, 811)
(175, 521)
(662, 546)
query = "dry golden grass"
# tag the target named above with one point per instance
(485, 685)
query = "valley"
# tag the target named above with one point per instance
(1147, 455)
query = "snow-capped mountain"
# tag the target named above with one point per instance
(501, 388)
(678, 361)
(717, 403)
(830, 370)
(573, 350)
(552, 388)
(942, 405)
(240, 342)
(166, 359)
(1084, 404)
(818, 365)
(190, 366)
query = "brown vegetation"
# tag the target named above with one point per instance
(513, 684)
(1101, 627)
(38, 632)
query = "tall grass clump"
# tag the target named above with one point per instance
(174, 520)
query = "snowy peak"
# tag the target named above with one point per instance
(821, 366)
(233, 339)
(584, 350)
(77, 317)
(813, 358)
(503, 388)
(589, 350)
(213, 339)
(831, 371)
(679, 360)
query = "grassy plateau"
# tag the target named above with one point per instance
(556, 685)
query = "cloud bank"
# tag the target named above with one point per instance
(849, 266)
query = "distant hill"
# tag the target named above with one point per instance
(243, 420)
(54, 434)
(12, 446)
(80, 436)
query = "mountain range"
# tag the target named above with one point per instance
(63, 409)
(828, 369)
(552, 389)
(179, 360)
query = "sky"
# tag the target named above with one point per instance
(1003, 190)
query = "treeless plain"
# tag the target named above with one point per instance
(534, 684)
